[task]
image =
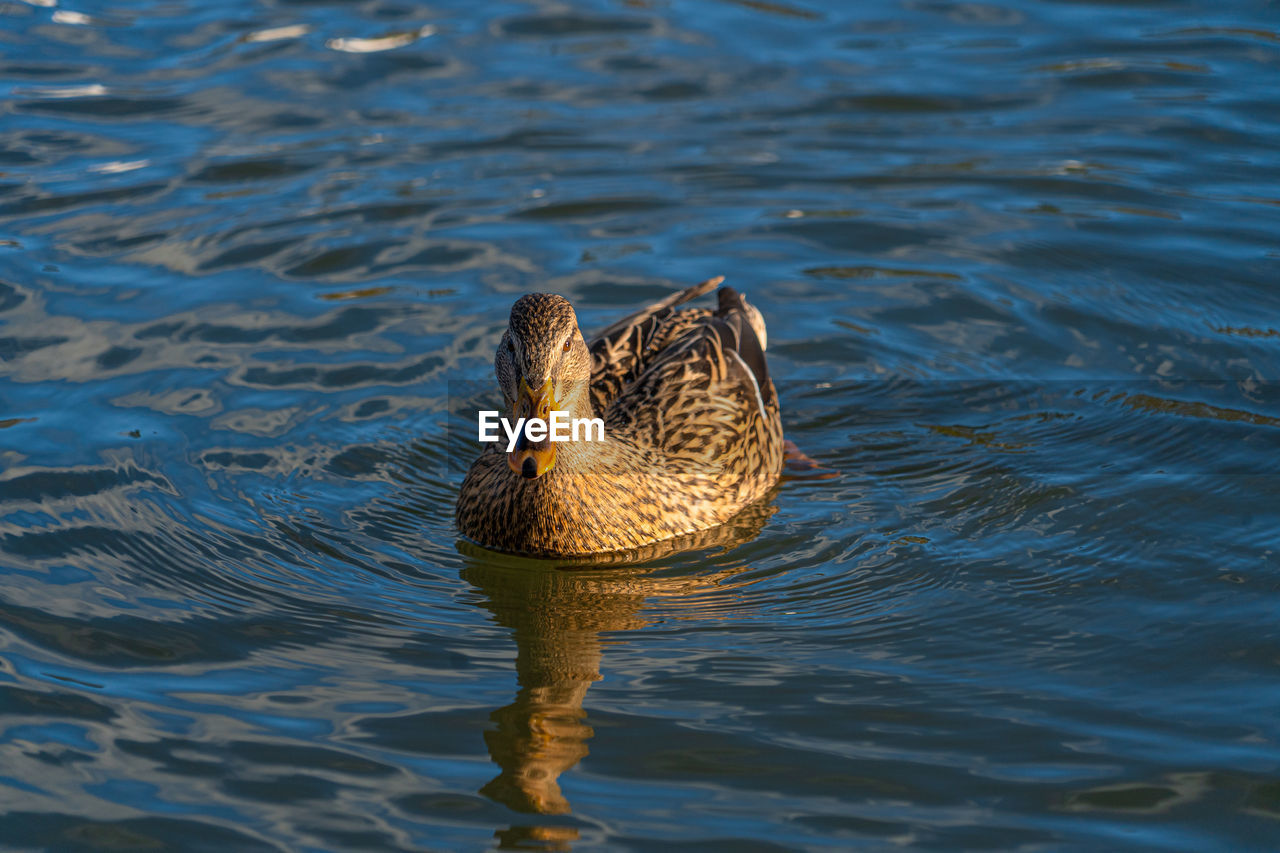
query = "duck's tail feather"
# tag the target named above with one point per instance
(737, 316)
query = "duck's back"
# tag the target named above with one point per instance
(693, 385)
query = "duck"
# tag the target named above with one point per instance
(692, 432)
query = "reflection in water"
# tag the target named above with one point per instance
(556, 619)
(557, 611)
(536, 837)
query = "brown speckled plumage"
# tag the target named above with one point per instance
(692, 431)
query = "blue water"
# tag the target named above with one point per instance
(1018, 264)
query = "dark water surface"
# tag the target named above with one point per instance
(1019, 263)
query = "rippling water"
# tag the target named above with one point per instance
(1019, 265)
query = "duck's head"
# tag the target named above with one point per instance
(543, 365)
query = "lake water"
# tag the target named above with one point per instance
(1019, 264)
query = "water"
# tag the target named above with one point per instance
(1018, 262)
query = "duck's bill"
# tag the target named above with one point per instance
(533, 459)
(533, 462)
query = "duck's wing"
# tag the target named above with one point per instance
(621, 352)
(707, 398)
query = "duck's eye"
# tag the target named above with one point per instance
(511, 348)
(568, 343)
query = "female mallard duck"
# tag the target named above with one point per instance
(691, 427)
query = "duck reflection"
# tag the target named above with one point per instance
(556, 618)
(557, 611)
